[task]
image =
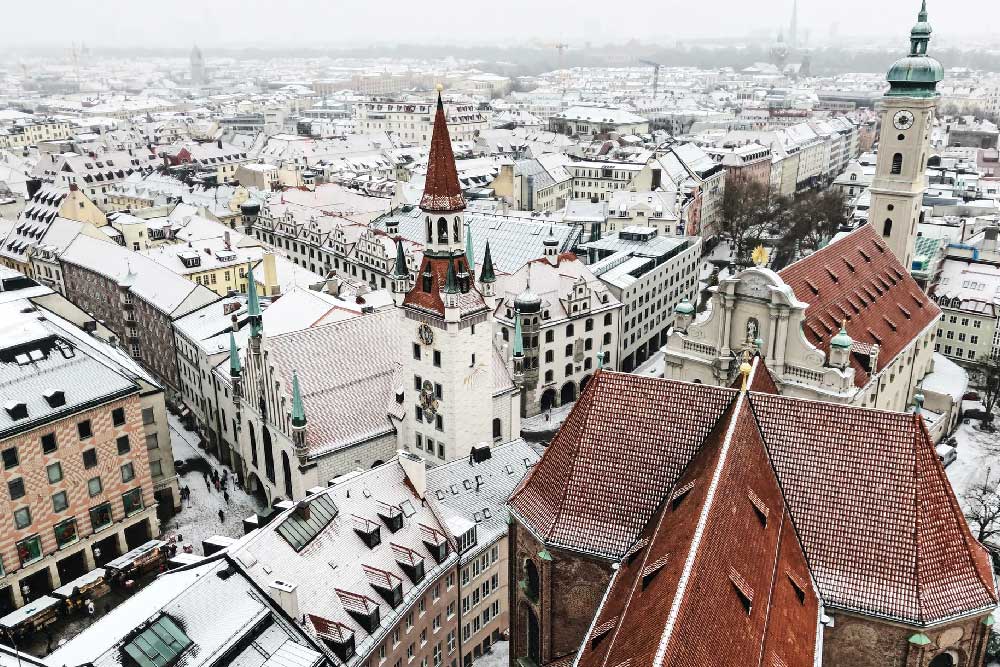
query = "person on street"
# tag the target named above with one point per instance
(90, 607)
(222, 516)
(225, 494)
(208, 484)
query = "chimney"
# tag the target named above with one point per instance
(271, 287)
(219, 143)
(415, 470)
(286, 595)
(73, 187)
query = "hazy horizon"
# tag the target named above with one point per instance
(264, 23)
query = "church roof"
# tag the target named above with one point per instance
(470, 301)
(881, 528)
(442, 192)
(718, 570)
(857, 279)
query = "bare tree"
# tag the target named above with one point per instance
(982, 509)
(985, 376)
(749, 211)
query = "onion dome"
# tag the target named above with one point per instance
(842, 339)
(916, 75)
(684, 307)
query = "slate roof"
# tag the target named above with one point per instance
(470, 301)
(877, 518)
(858, 279)
(346, 370)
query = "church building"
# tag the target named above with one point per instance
(847, 324)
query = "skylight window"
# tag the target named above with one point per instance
(306, 522)
(159, 645)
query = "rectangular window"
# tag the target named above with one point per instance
(132, 501)
(54, 472)
(59, 502)
(128, 472)
(65, 532)
(148, 417)
(90, 458)
(439, 422)
(153, 439)
(49, 443)
(437, 358)
(16, 488)
(10, 458)
(83, 428)
(22, 517)
(416, 351)
(94, 486)
(156, 468)
(124, 446)
(118, 416)
(29, 549)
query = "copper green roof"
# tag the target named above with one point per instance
(842, 339)
(234, 357)
(468, 250)
(253, 303)
(400, 267)
(518, 343)
(487, 275)
(298, 410)
(916, 75)
(450, 282)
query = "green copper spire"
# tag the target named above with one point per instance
(400, 268)
(487, 275)
(234, 357)
(298, 411)
(916, 75)
(253, 303)
(518, 335)
(450, 282)
(468, 249)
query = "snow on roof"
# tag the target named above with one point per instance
(601, 115)
(947, 378)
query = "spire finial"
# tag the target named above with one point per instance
(235, 368)
(488, 275)
(400, 270)
(450, 282)
(469, 254)
(253, 303)
(298, 410)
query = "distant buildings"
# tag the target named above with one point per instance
(597, 120)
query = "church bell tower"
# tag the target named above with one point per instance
(907, 116)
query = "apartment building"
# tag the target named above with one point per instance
(216, 159)
(598, 179)
(650, 275)
(597, 120)
(30, 133)
(968, 293)
(79, 489)
(412, 121)
(94, 174)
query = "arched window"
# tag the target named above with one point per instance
(253, 445)
(268, 455)
(897, 163)
(854, 177)
(442, 230)
(286, 472)
(532, 584)
(887, 227)
(497, 429)
(430, 230)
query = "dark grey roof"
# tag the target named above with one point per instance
(513, 241)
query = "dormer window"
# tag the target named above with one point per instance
(55, 398)
(368, 530)
(386, 584)
(392, 515)
(16, 410)
(411, 562)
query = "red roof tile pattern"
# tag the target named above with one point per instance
(442, 193)
(691, 610)
(427, 296)
(577, 495)
(844, 470)
(874, 297)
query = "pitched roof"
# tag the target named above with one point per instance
(629, 438)
(470, 301)
(442, 192)
(718, 570)
(857, 279)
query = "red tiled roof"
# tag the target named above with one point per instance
(430, 299)
(875, 514)
(575, 496)
(442, 193)
(859, 280)
(845, 470)
(688, 611)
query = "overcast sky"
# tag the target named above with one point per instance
(163, 23)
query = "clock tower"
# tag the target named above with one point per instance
(907, 115)
(447, 325)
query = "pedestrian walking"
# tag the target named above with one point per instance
(208, 484)
(225, 494)
(216, 482)
(90, 607)
(222, 516)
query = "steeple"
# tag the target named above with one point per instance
(400, 274)
(487, 275)
(234, 357)
(298, 410)
(442, 193)
(450, 281)
(253, 304)
(917, 74)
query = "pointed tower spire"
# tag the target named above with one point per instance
(442, 193)
(253, 304)
(488, 275)
(298, 410)
(399, 269)
(235, 368)
(450, 281)
(468, 249)
(518, 336)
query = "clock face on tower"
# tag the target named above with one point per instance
(426, 334)
(903, 120)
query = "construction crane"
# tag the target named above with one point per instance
(560, 47)
(656, 74)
